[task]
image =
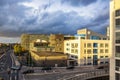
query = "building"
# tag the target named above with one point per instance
(115, 39)
(43, 54)
(88, 48)
(40, 45)
(57, 41)
(26, 39)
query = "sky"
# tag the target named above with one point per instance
(51, 16)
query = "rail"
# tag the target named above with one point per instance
(88, 75)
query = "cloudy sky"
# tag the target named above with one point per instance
(51, 16)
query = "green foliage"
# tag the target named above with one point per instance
(18, 50)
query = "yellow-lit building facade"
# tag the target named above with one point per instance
(26, 39)
(43, 54)
(54, 40)
(88, 48)
(115, 39)
(57, 42)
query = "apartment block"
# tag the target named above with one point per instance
(88, 48)
(115, 39)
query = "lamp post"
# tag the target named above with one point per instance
(9, 73)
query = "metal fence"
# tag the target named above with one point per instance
(88, 75)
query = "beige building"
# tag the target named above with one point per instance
(26, 39)
(115, 39)
(57, 42)
(54, 40)
(44, 55)
(89, 48)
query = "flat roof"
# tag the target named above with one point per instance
(45, 53)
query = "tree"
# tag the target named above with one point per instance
(17, 49)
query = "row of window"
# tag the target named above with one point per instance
(73, 45)
(89, 51)
(74, 51)
(100, 63)
(72, 56)
(100, 57)
(103, 56)
(96, 45)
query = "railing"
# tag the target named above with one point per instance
(88, 75)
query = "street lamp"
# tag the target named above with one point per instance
(9, 73)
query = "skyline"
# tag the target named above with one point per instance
(50, 16)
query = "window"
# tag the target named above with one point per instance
(106, 45)
(117, 37)
(106, 62)
(117, 21)
(76, 51)
(117, 62)
(89, 57)
(106, 56)
(117, 12)
(117, 76)
(67, 49)
(95, 44)
(67, 44)
(104, 38)
(72, 45)
(101, 51)
(101, 45)
(106, 50)
(76, 57)
(76, 45)
(84, 44)
(117, 49)
(84, 50)
(101, 56)
(101, 62)
(89, 45)
(89, 51)
(94, 37)
(95, 51)
(72, 50)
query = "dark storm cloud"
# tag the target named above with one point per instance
(79, 2)
(16, 19)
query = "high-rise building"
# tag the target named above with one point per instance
(115, 39)
(88, 48)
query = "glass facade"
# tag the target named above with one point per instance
(94, 37)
